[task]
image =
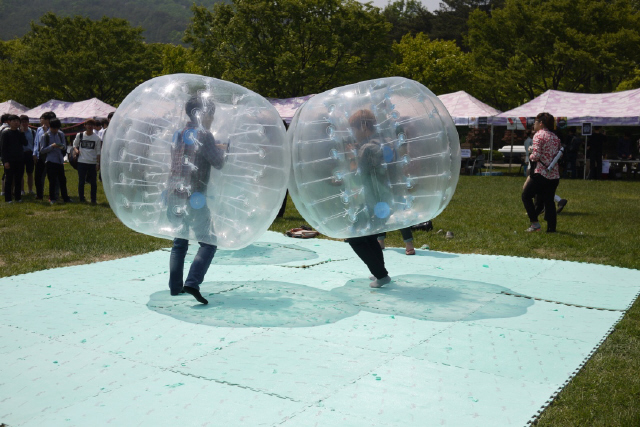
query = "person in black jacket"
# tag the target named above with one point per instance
(12, 142)
(596, 146)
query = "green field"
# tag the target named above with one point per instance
(600, 224)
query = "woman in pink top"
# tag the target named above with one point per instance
(544, 180)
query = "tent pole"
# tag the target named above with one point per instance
(511, 155)
(584, 169)
(491, 152)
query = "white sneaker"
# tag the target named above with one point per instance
(380, 282)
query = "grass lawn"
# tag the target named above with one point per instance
(600, 224)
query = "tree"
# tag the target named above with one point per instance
(290, 47)
(450, 21)
(407, 17)
(176, 59)
(529, 47)
(439, 65)
(75, 59)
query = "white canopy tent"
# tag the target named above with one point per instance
(12, 107)
(72, 112)
(599, 109)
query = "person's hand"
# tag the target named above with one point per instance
(97, 167)
(55, 145)
(7, 166)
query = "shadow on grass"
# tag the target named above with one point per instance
(290, 305)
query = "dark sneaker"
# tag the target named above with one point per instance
(561, 204)
(196, 294)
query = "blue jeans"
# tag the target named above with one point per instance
(198, 269)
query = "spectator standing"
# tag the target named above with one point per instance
(624, 147)
(30, 135)
(39, 161)
(12, 142)
(97, 128)
(3, 125)
(527, 151)
(596, 146)
(87, 146)
(544, 180)
(105, 125)
(53, 149)
(571, 154)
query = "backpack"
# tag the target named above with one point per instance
(73, 157)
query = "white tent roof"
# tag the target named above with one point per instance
(72, 112)
(465, 109)
(601, 109)
(12, 107)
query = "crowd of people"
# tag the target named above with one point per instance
(41, 154)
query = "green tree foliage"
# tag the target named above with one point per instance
(407, 17)
(439, 65)
(163, 20)
(177, 59)
(75, 59)
(450, 21)
(291, 47)
(528, 47)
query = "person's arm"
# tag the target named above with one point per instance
(48, 148)
(98, 150)
(213, 154)
(536, 147)
(3, 150)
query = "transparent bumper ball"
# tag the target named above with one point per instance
(371, 157)
(196, 158)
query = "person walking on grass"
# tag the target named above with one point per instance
(53, 149)
(544, 180)
(87, 146)
(12, 142)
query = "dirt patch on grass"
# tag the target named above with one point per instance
(549, 254)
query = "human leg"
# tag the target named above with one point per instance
(176, 265)
(52, 178)
(82, 176)
(7, 186)
(40, 173)
(200, 265)
(17, 170)
(407, 237)
(548, 192)
(381, 237)
(198, 269)
(528, 193)
(92, 178)
(62, 181)
(370, 252)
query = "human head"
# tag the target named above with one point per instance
(200, 110)
(362, 122)
(597, 129)
(109, 116)
(105, 123)
(55, 124)
(24, 121)
(13, 121)
(89, 125)
(97, 124)
(545, 120)
(45, 118)
(4, 118)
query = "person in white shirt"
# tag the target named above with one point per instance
(87, 146)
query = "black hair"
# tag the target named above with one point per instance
(546, 119)
(49, 115)
(196, 103)
(12, 117)
(110, 115)
(4, 118)
(24, 117)
(104, 122)
(55, 124)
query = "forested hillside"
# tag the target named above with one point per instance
(164, 21)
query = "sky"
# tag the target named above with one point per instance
(432, 5)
